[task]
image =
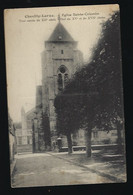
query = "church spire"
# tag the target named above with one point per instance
(60, 34)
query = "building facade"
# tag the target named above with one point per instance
(12, 139)
(60, 60)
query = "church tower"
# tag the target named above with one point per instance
(60, 60)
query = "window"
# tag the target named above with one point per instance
(60, 82)
(62, 77)
(62, 69)
(65, 79)
(62, 51)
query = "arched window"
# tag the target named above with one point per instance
(65, 79)
(62, 77)
(60, 82)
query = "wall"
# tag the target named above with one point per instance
(12, 145)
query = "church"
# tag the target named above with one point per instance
(60, 60)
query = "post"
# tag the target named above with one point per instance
(88, 142)
(36, 134)
(33, 136)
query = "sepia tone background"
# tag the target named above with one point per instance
(119, 188)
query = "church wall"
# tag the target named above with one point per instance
(52, 60)
(49, 63)
(66, 62)
(56, 54)
(38, 95)
(45, 89)
(45, 97)
(59, 59)
(51, 88)
(62, 51)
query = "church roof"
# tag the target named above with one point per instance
(60, 34)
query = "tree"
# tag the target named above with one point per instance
(107, 56)
(93, 97)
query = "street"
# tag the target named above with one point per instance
(49, 170)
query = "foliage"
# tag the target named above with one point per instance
(93, 97)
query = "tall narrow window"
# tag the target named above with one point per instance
(62, 51)
(65, 79)
(62, 77)
(60, 82)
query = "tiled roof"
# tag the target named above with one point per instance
(60, 34)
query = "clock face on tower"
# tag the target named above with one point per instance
(59, 37)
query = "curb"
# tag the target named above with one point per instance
(109, 176)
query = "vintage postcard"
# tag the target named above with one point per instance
(65, 95)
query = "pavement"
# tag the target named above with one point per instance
(54, 169)
(109, 165)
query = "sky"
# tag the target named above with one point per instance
(24, 41)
